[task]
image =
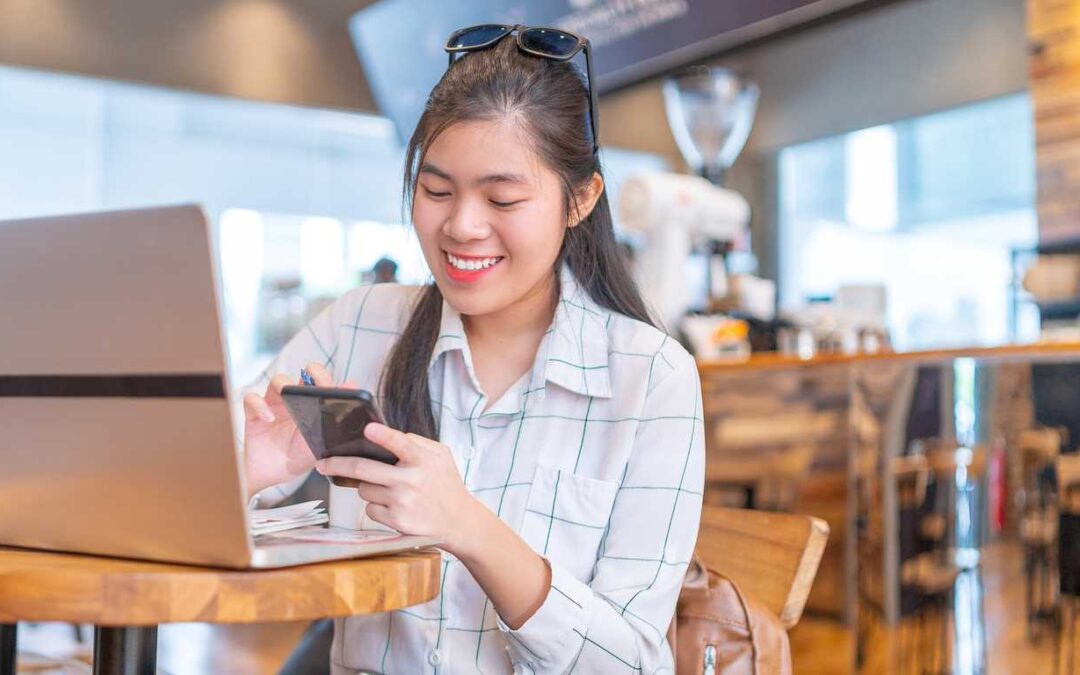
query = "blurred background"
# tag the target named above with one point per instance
(893, 139)
(804, 186)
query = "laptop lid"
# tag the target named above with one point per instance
(114, 419)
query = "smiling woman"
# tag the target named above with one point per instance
(503, 227)
(546, 431)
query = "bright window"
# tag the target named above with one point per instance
(928, 207)
(303, 201)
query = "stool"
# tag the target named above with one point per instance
(1039, 448)
(933, 583)
(926, 582)
(1068, 480)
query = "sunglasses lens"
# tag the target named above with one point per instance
(475, 36)
(551, 42)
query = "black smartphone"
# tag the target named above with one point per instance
(332, 422)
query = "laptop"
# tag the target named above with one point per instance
(116, 428)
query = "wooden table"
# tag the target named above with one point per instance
(126, 599)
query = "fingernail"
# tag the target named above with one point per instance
(268, 416)
(373, 430)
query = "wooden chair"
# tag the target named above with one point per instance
(770, 481)
(780, 489)
(911, 475)
(925, 583)
(1039, 449)
(771, 556)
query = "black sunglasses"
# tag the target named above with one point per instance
(548, 43)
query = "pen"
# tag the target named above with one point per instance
(305, 378)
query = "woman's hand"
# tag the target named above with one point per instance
(274, 449)
(421, 494)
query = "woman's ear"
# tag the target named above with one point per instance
(586, 199)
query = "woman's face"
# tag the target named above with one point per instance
(489, 215)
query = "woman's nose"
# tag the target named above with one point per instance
(467, 221)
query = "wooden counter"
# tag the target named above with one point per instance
(769, 361)
(771, 404)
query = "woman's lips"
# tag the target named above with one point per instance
(469, 276)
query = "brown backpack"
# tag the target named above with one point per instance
(719, 631)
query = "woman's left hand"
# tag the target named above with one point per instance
(422, 494)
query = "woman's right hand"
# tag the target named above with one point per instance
(274, 449)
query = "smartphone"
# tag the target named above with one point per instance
(332, 422)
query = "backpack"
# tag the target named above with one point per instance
(719, 631)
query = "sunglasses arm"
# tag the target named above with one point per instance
(593, 109)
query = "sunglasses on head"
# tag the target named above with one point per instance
(548, 43)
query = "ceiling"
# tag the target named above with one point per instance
(290, 51)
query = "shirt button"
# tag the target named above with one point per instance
(434, 657)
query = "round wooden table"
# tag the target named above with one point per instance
(126, 599)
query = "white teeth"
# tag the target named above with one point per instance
(471, 265)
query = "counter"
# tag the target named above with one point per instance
(773, 404)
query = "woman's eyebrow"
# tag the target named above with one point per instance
(435, 171)
(506, 177)
(501, 178)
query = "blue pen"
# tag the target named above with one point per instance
(305, 378)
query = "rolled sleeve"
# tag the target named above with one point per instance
(555, 629)
(618, 622)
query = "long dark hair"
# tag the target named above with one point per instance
(548, 98)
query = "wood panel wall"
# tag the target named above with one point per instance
(1054, 68)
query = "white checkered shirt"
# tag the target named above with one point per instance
(595, 458)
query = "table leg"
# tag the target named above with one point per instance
(7, 648)
(125, 651)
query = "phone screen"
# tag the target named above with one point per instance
(332, 421)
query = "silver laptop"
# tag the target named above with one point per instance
(116, 432)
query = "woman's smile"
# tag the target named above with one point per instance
(469, 269)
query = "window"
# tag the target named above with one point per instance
(928, 207)
(303, 201)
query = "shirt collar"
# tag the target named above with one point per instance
(573, 353)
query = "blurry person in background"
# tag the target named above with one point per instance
(385, 271)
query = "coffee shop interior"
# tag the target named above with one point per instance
(861, 217)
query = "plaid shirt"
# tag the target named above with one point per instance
(595, 457)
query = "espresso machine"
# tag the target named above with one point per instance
(687, 223)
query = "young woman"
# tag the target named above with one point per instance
(546, 431)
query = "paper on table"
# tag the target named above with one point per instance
(285, 512)
(258, 530)
(264, 521)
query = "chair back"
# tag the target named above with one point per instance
(780, 488)
(911, 474)
(773, 557)
(1068, 475)
(775, 480)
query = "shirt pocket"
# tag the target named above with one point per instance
(566, 517)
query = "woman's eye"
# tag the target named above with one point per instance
(504, 205)
(435, 194)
